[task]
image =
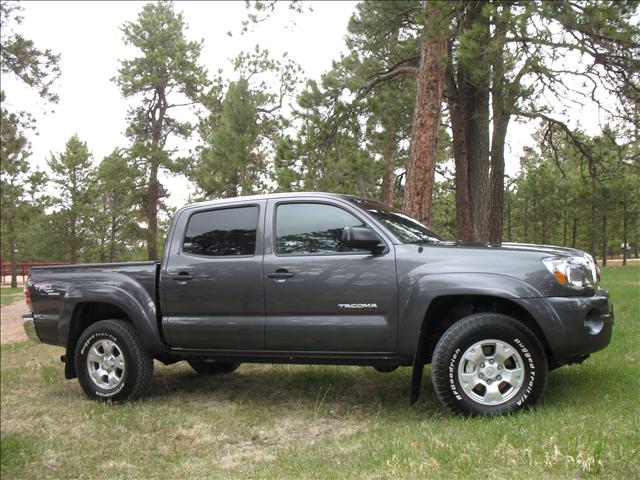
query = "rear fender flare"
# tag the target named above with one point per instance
(134, 301)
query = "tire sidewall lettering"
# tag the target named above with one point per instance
(526, 388)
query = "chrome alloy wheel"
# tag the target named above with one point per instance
(105, 363)
(491, 372)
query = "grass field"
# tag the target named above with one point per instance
(10, 295)
(324, 422)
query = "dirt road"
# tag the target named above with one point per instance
(11, 322)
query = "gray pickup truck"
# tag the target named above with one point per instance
(326, 279)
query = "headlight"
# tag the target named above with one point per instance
(574, 272)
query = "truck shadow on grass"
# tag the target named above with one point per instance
(312, 387)
(347, 388)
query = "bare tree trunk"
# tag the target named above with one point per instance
(152, 199)
(526, 220)
(592, 230)
(153, 189)
(73, 244)
(564, 229)
(475, 99)
(389, 153)
(463, 208)
(574, 232)
(13, 258)
(112, 240)
(604, 241)
(468, 100)
(496, 212)
(509, 217)
(624, 232)
(421, 165)
(501, 109)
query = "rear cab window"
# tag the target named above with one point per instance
(222, 232)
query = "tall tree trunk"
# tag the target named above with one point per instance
(564, 226)
(496, 211)
(468, 100)
(463, 209)
(624, 232)
(153, 189)
(592, 229)
(604, 241)
(574, 232)
(526, 220)
(73, 244)
(112, 239)
(501, 109)
(13, 258)
(152, 199)
(418, 193)
(509, 236)
(389, 154)
(475, 99)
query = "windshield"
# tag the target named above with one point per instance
(405, 228)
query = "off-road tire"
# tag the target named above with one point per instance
(464, 335)
(203, 367)
(138, 362)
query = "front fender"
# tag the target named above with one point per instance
(134, 301)
(417, 290)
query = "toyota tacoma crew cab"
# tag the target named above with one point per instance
(326, 279)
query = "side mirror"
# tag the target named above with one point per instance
(362, 238)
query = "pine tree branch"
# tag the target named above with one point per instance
(387, 76)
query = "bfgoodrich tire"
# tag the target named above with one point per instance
(111, 362)
(489, 364)
(213, 367)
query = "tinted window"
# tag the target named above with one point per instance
(407, 229)
(308, 228)
(229, 231)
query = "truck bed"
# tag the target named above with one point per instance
(49, 285)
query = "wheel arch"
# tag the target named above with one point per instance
(445, 310)
(86, 306)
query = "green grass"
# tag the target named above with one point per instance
(324, 422)
(10, 295)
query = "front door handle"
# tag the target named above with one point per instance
(280, 275)
(182, 277)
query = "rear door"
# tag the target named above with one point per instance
(321, 296)
(212, 280)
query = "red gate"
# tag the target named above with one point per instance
(22, 269)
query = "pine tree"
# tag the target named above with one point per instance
(164, 77)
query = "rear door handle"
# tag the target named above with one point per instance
(280, 275)
(182, 277)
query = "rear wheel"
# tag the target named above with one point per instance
(489, 364)
(111, 362)
(213, 367)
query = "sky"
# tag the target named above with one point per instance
(87, 36)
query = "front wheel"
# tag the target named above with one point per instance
(489, 364)
(111, 362)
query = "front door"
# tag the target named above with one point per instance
(212, 282)
(321, 296)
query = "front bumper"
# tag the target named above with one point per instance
(574, 327)
(30, 328)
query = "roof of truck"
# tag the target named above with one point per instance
(268, 196)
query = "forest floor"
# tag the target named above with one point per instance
(269, 421)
